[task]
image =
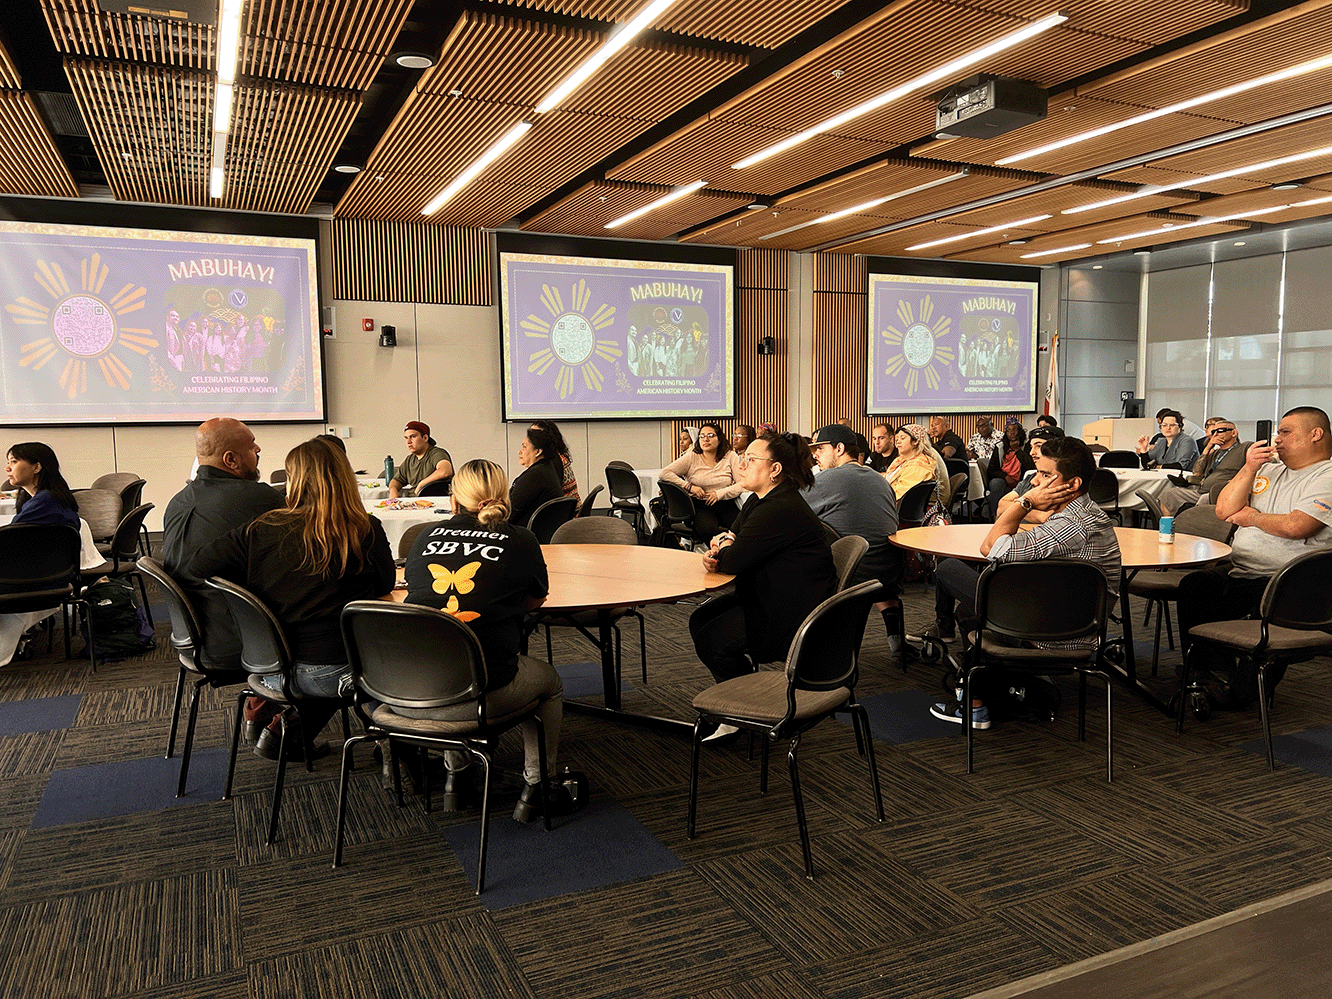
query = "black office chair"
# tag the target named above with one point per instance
(101, 509)
(848, 552)
(680, 514)
(1050, 600)
(409, 656)
(586, 509)
(1294, 617)
(1103, 490)
(547, 518)
(957, 466)
(626, 494)
(123, 552)
(39, 571)
(187, 643)
(819, 681)
(1121, 459)
(440, 487)
(265, 652)
(131, 496)
(915, 502)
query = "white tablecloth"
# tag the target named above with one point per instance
(1152, 482)
(6, 506)
(373, 489)
(396, 522)
(12, 626)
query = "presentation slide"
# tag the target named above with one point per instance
(593, 339)
(951, 345)
(105, 325)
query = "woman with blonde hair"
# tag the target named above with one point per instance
(489, 573)
(306, 561)
(916, 462)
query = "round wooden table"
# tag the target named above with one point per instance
(1138, 549)
(602, 577)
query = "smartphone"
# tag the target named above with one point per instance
(1264, 431)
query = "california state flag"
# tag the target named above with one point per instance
(1052, 381)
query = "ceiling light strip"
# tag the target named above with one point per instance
(1148, 191)
(496, 149)
(618, 40)
(652, 206)
(936, 75)
(1289, 72)
(228, 55)
(980, 232)
(1051, 253)
(871, 204)
(1216, 219)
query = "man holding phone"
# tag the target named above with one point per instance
(1281, 504)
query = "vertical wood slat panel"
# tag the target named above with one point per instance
(399, 262)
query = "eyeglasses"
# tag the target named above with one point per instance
(707, 436)
(1223, 430)
(754, 457)
(1168, 423)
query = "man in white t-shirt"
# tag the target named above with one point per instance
(1281, 502)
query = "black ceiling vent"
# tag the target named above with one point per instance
(62, 113)
(193, 11)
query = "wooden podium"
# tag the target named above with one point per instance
(1117, 434)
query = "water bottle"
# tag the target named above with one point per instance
(1167, 531)
(388, 469)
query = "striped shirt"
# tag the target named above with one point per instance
(1081, 530)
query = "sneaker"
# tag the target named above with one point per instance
(944, 633)
(980, 717)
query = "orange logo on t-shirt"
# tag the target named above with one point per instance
(1260, 484)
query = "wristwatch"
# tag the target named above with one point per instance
(1024, 502)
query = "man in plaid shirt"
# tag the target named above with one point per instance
(1068, 525)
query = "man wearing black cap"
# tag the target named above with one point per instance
(426, 461)
(854, 499)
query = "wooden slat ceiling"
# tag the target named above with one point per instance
(30, 163)
(713, 83)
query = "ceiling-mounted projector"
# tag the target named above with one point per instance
(985, 106)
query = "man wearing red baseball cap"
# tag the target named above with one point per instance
(426, 461)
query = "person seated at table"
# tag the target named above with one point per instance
(1281, 504)
(1046, 420)
(306, 562)
(542, 479)
(426, 461)
(883, 449)
(944, 440)
(916, 462)
(744, 436)
(569, 483)
(43, 497)
(1219, 462)
(853, 500)
(1035, 440)
(709, 472)
(1008, 463)
(778, 552)
(984, 441)
(490, 588)
(1175, 448)
(1069, 525)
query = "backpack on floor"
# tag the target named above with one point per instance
(120, 625)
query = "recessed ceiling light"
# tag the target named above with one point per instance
(756, 206)
(1239, 242)
(1289, 185)
(1142, 253)
(1097, 267)
(346, 168)
(413, 60)
(1017, 242)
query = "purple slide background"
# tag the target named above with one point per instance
(950, 345)
(96, 326)
(579, 343)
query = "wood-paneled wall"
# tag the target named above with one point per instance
(401, 262)
(763, 301)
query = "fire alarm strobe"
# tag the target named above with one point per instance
(368, 325)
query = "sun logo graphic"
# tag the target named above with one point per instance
(915, 347)
(572, 335)
(82, 325)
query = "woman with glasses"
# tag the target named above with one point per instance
(1175, 448)
(710, 473)
(778, 552)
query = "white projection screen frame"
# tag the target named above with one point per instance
(594, 338)
(129, 325)
(951, 345)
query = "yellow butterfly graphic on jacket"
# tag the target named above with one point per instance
(461, 580)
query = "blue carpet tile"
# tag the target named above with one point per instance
(584, 680)
(126, 787)
(40, 714)
(1309, 750)
(601, 845)
(903, 717)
